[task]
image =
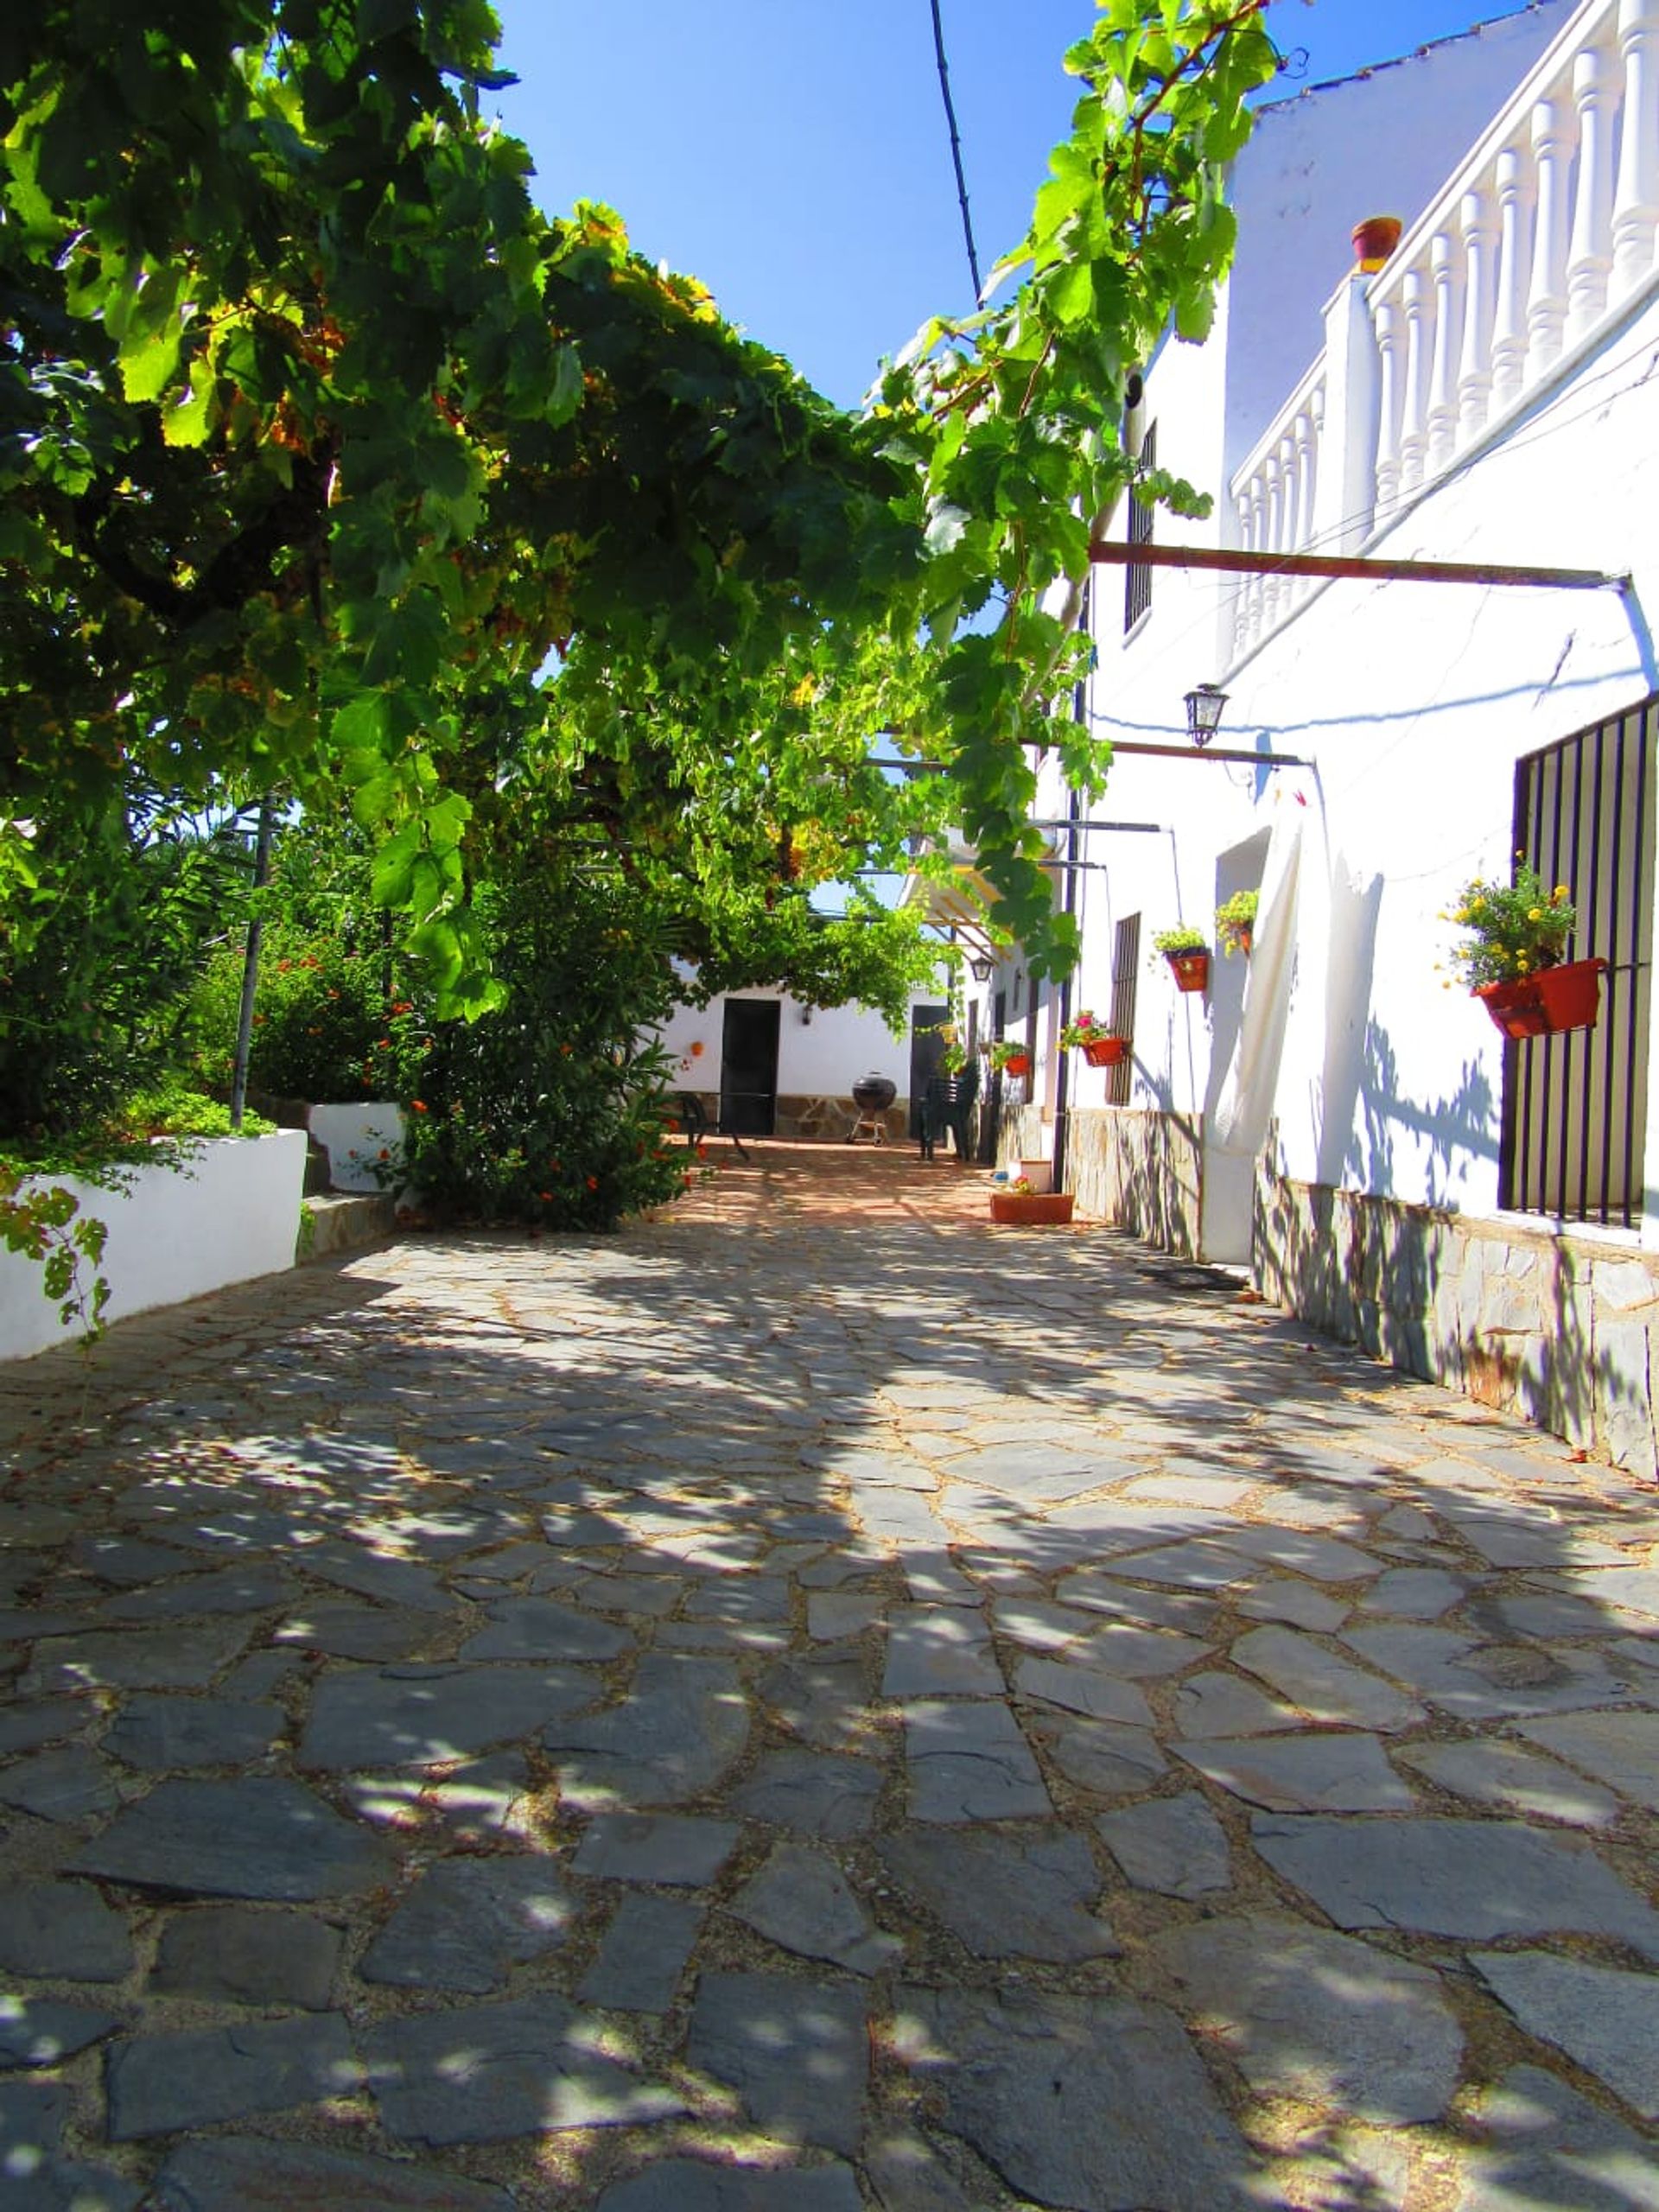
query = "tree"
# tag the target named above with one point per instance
(316, 439)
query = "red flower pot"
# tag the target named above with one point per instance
(1374, 240)
(1017, 1063)
(1555, 999)
(1032, 1209)
(1106, 1051)
(1191, 969)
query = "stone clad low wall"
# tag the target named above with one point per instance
(1143, 1171)
(1557, 1329)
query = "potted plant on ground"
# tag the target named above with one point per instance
(1188, 956)
(1098, 1046)
(1010, 1060)
(1512, 960)
(1021, 1206)
(1236, 921)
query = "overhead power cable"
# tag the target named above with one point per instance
(956, 147)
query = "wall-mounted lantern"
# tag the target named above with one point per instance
(1203, 704)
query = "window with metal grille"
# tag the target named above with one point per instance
(1575, 1106)
(1126, 968)
(1137, 577)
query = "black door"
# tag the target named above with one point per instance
(748, 1067)
(927, 1050)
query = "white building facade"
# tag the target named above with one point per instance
(762, 1063)
(1332, 1113)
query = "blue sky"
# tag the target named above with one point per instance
(792, 154)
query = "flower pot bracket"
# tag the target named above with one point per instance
(1544, 1005)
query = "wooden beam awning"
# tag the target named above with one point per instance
(1235, 560)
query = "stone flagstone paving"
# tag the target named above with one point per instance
(812, 1704)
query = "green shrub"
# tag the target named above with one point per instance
(550, 1111)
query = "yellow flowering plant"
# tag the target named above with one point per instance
(1515, 929)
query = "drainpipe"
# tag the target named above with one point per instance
(1074, 815)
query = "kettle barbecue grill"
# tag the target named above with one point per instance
(872, 1095)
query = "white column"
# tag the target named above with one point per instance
(1420, 339)
(1590, 255)
(1479, 225)
(1390, 372)
(1553, 136)
(1448, 332)
(1636, 202)
(1514, 208)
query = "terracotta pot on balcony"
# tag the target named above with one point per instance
(1106, 1051)
(1543, 1005)
(1374, 240)
(1031, 1209)
(1191, 969)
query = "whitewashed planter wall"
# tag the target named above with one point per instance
(354, 1136)
(235, 1214)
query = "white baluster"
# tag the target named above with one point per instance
(1291, 475)
(1310, 428)
(1553, 139)
(1391, 378)
(1635, 206)
(1480, 221)
(1448, 331)
(1272, 538)
(1420, 338)
(1241, 609)
(1590, 258)
(1515, 203)
(1249, 613)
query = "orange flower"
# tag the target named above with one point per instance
(697, 1049)
(417, 1105)
(546, 1198)
(383, 1153)
(593, 1182)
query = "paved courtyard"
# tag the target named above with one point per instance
(814, 1703)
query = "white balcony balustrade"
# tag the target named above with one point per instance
(1540, 239)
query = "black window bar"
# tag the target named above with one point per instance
(1137, 576)
(1126, 968)
(1575, 1104)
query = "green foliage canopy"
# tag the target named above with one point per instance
(317, 439)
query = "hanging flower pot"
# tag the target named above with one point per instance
(1106, 1051)
(1031, 1209)
(1011, 1060)
(1236, 922)
(1191, 970)
(1544, 1004)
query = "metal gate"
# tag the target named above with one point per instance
(1575, 1105)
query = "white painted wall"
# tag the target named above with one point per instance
(235, 1214)
(1412, 704)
